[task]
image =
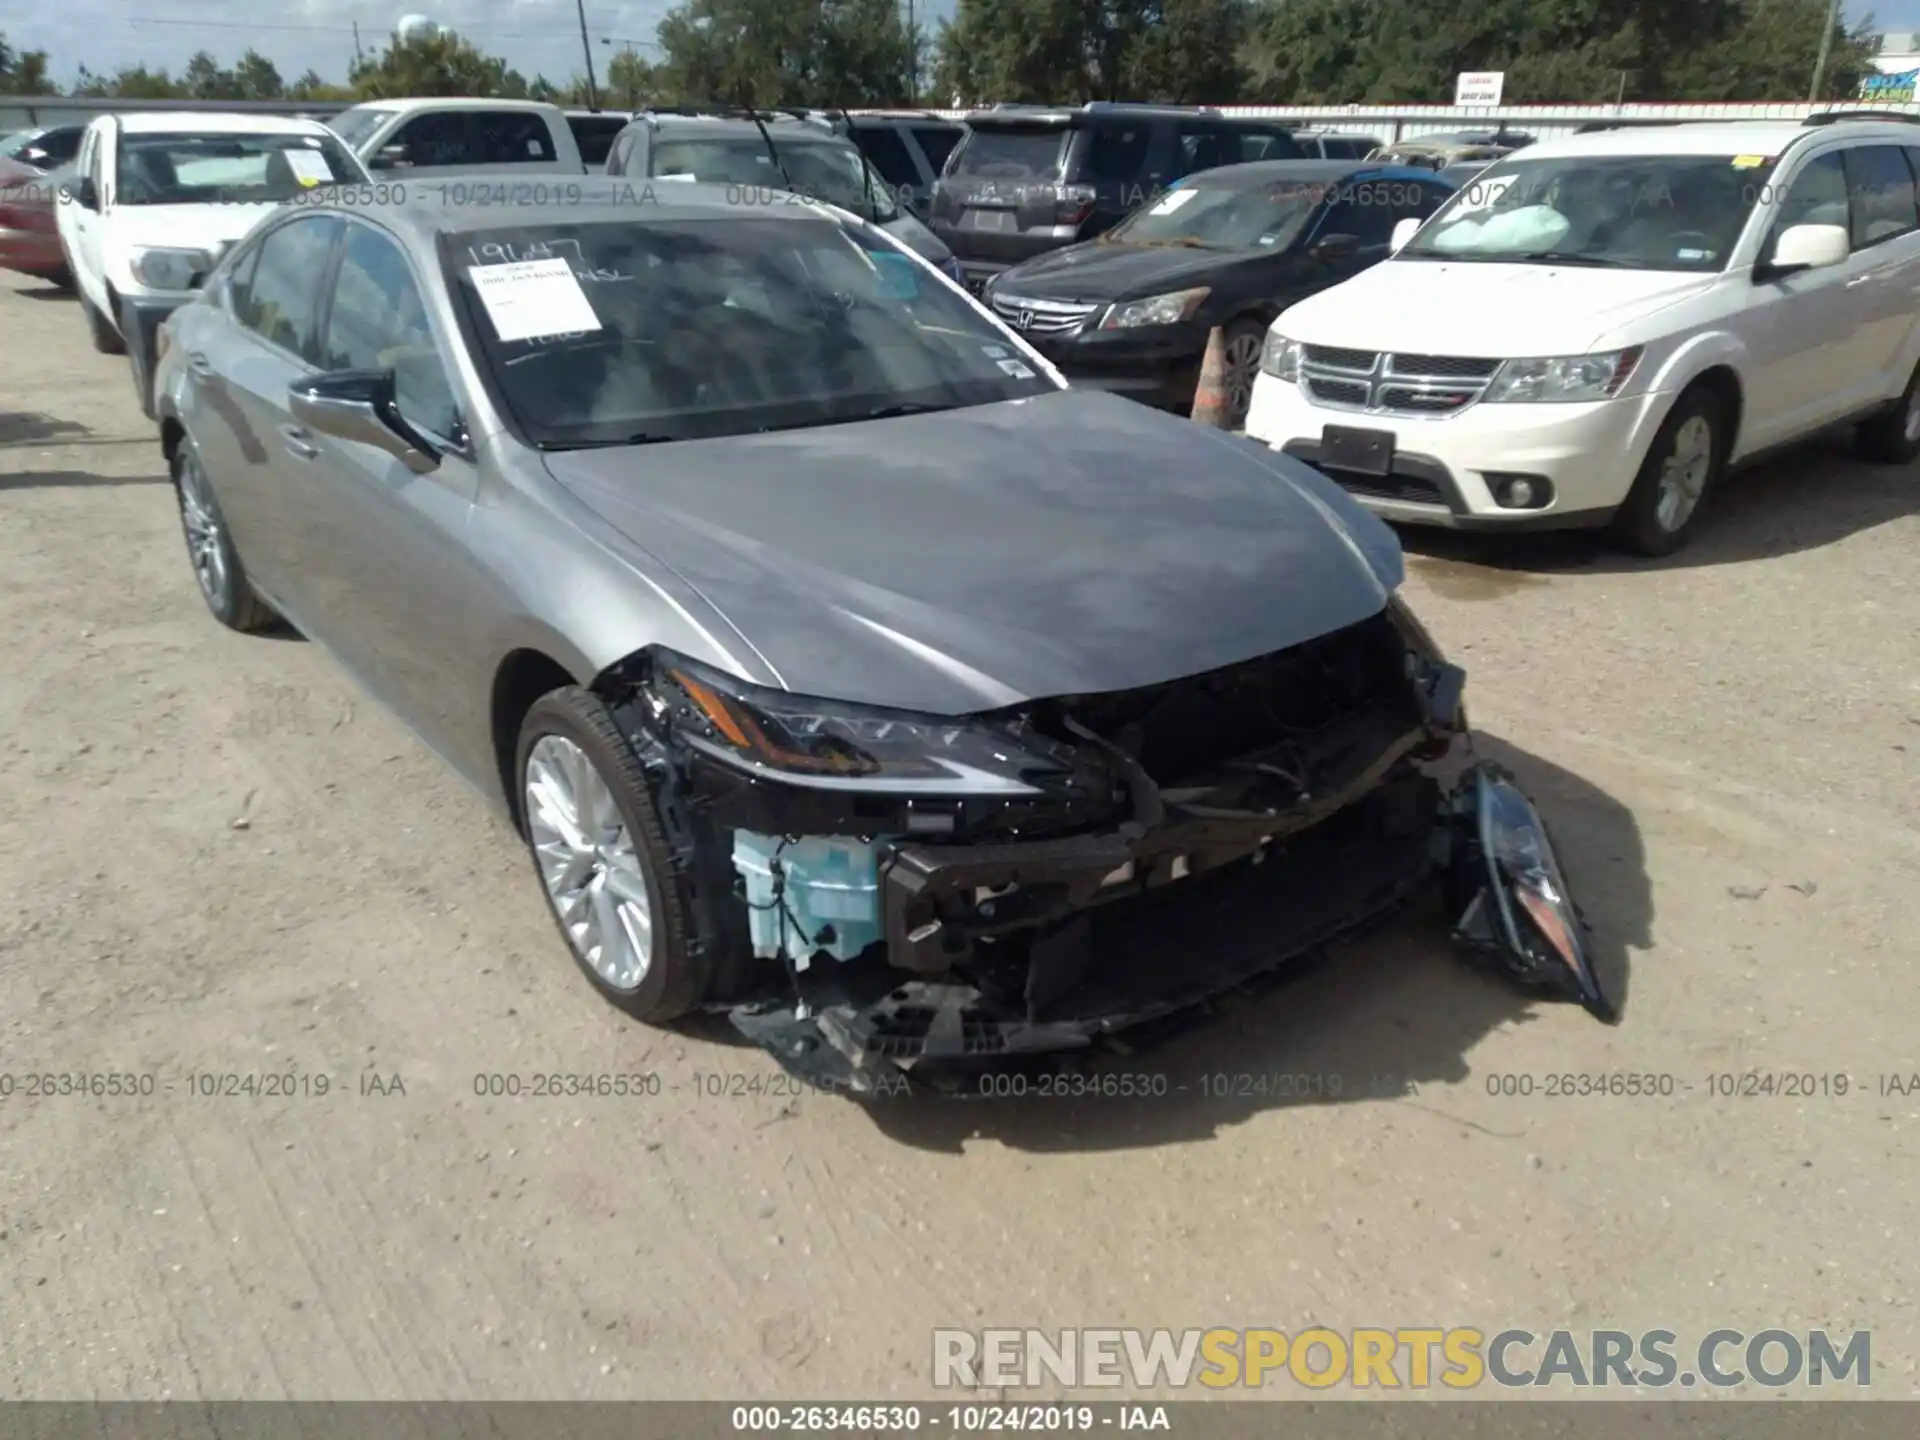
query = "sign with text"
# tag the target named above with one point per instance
(1479, 87)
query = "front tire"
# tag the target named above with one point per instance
(216, 563)
(1244, 339)
(602, 858)
(106, 339)
(1893, 437)
(1682, 466)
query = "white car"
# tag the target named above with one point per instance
(446, 137)
(1594, 329)
(157, 197)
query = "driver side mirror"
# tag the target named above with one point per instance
(389, 157)
(358, 405)
(85, 193)
(1403, 231)
(1805, 247)
(1334, 247)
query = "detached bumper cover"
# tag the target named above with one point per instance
(140, 322)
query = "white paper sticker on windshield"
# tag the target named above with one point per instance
(1172, 201)
(309, 167)
(681, 175)
(1016, 369)
(994, 352)
(532, 299)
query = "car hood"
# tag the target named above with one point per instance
(919, 239)
(190, 227)
(1440, 307)
(968, 559)
(1106, 270)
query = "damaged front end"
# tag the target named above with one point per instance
(892, 894)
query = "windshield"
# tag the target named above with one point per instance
(1637, 212)
(170, 169)
(820, 169)
(995, 152)
(622, 332)
(1237, 217)
(356, 126)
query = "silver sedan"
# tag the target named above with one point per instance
(843, 669)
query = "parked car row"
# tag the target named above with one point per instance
(705, 538)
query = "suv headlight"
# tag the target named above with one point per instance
(1565, 377)
(171, 269)
(1280, 357)
(838, 745)
(1168, 309)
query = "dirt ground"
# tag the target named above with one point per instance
(218, 858)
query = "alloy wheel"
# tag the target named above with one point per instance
(200, 517)
(1683, 473)
(587, 863)
(1243, 365)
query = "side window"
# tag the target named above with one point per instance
(378, 321)
(938, 141)
(438, 137)
(281, 302)
(1880, 191)
(1201, 147)
(511, 137)
(1367, 212)
(240, 282)
(1415, 199)
(882, 145)
(1817, 196)
(1117, 152)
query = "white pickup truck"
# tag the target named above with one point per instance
(447, 137)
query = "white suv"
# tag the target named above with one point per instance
(1595, 328)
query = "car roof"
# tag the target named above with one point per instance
(728, 127)
(214, 122)
(453, 102)
(425, 211)
(1730, 137)
(1303, 172)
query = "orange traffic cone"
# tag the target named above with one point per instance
(1212, 406)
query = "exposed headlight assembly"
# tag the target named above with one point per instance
(1280, 357)
(1565, 377)
(167, 268)
(837, 745)
(1168, 309)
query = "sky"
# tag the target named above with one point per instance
(535, 36)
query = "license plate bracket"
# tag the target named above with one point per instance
(1364, 452)
(994, 220)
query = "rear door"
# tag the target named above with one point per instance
(273, 342)
(1116, 156)
(897, 165)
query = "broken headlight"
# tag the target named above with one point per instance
(839, 745)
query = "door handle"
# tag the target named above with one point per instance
(298, 442)
(1859, 280)
(199, 364)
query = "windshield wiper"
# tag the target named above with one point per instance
(641, 438)
(905, 407)
(1572, 257)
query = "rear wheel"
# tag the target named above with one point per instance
(100, 330)
(1893, 437)
(1682, 464)
(216, 564)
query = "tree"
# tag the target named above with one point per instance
(630, 81)
(129, 82)
(258, 78)
(1174, 51)
(785, 52)
(23, 72)
(442, 64)
(311, 87)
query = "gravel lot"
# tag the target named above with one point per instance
(219, 857)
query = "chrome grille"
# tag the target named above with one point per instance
(1042, 317)
(1389, 384)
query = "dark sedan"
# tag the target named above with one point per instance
(842, 669)
(1131, 311)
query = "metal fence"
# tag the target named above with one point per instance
(1384, 122)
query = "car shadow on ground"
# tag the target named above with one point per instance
(36, 427)
(44, 290)
(1802, 499)
(73, 479)
(1392, 1015)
